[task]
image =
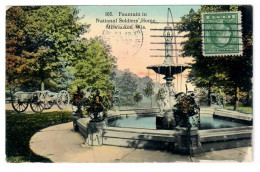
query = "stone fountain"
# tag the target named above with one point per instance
(165, 119)
(173, 115)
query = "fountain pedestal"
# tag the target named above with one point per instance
(188, 141)
(165, 121)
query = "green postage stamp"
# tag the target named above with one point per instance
(221, 34)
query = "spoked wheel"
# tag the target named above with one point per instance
(63, 99)
(18, 104)
(37, 102)
(48, 101)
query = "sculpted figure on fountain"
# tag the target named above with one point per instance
(166, 101)
(166, 97)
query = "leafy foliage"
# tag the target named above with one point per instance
(148, 91)
(141, 84)
(159, 95)
(92, 67)
(138, 97)
(126, 86)
(43, 46)
(229, 72)
(38, 43)
(186, 105)
(184, 108)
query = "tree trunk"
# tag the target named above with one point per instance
(42, 86)
(209, 92)
(224, 100)
(236, 98)
(248, 102)
(151, 101)
(42, 78)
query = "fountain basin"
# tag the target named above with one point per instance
(137, 129)
(170, 70)
(149, 122)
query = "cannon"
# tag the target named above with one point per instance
(39, 100)
(62, 99)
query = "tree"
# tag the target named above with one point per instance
(148, 91)
(16, 67)
(126, 86)
(203, 72)
(138, 97)
(239, 69)
(38, 43)
(231, 72)
(204, 69)
(92, 67)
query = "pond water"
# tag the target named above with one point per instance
(148, 122)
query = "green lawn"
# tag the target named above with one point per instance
(241, 109)
(21, 127)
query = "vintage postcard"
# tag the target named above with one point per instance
(129, 83)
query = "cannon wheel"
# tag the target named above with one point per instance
(19, 105)
(63, 99)
(37, 102)
(48, 101)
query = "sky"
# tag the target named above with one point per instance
(131, 46)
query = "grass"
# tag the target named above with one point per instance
(21, 127)
(241, 109)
